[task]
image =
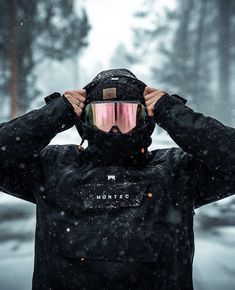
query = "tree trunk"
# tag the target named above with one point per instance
(198, 56)
(182, 47)
(224, 53)
(14, 85)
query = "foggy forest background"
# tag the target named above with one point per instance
(188, 50)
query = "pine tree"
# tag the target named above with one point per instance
(225, 16)
(192, 50)
(31, 31)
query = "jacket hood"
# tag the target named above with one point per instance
(121, 85)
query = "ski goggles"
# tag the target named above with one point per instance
(115, 116)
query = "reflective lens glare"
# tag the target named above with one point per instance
(115, 115)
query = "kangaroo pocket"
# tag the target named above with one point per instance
(94, 260)
(134, 247)
(98, 261)
(112, 195)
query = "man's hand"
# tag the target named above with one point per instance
(77, 100)
(151, 96)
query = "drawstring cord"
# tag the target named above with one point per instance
(80, 148)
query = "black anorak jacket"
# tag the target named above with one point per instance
(106, 226)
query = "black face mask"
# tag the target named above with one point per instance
(115, 147)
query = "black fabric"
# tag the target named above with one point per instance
(127, 89)
(107, 225)
(127, 86)
(123, 146)
(107, 74)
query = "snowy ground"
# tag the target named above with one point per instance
(214, 267)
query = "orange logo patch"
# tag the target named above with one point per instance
(110, 93)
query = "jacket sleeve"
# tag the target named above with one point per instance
(23, 138)
(210, 146)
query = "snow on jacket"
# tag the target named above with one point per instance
(116, 227)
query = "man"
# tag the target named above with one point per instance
(114, 215)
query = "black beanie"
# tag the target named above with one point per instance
(115, 84)
(110, 85)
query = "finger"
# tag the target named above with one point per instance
(81, 105)
(81, 92)
(75, 102)
(151, 103)
(153, 99)
(155, 93)
(78, 111)
(75, 95)
(150, 96)
(148, 90)
(150, 112)
(150, 109)
(72, 99)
